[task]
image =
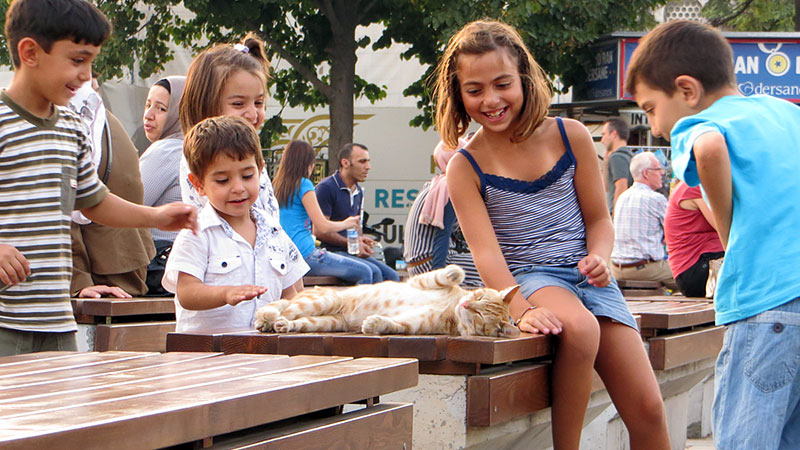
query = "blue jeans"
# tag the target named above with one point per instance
(352, 270)
(380, 271)
(600, 301)
(756, 382)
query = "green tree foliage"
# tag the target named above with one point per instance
(559, 33)
(319, 38)
(751, 15)
(138, 43)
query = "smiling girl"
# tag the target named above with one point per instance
(227, 80)
(529, 198)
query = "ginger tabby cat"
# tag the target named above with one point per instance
(429, 303)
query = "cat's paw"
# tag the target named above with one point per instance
(454, 274)
(375, 325)
(282, 325)
(265, 318)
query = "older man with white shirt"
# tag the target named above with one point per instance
(639, 252)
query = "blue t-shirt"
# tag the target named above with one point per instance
(337, 203)
(762, 134)
(295, 220)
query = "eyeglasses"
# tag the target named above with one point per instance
(660, 169)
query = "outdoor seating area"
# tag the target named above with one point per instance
(151, 400)
(499, 381)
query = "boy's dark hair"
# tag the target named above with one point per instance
(347, 150)
(48, 21)
(620, 126)
(681, 47)
(223, 135)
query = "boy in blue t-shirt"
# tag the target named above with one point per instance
(745, 152)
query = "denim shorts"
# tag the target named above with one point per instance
(600, 301)
(756, 382)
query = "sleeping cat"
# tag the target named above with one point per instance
(429, 303)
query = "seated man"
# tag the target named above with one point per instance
(639, 226)
(340, 197)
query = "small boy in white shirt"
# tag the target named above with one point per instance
(240, 260)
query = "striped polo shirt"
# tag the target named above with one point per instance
(46, 171)
(536, 222)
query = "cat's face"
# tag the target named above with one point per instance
(484, 312)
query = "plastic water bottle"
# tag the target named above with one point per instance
(352, 241)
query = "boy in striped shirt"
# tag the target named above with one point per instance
(46, 171)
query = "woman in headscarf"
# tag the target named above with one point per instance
(160, 163)
(163, 130)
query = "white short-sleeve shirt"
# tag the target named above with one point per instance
(218, 255)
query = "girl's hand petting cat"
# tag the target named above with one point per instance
(237, 294)
(539, 320)
(595, 269)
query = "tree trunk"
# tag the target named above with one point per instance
(343, 70)
(796, 15)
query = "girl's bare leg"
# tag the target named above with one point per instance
(572, 367)
(623, 365)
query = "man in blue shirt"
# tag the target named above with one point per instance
(340, 197)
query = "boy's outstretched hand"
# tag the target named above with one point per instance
(237, 294)
(595, 269)
(176, 216)
(14, 267)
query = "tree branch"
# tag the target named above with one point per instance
(309, 74)
(734, 14)
(364, 11)
(330, 12)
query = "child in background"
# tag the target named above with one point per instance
(237, 256)
(228, 80)
(745, 152)
(529, 198)
(46, 172)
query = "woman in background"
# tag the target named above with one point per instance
(299, 210)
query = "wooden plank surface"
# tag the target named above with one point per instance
(116, 307)
(669, 315)
(458, 349)
(164, 405)
(386, 426)
(675, 350)
(500, 397)
(487, 350)
(145, 336)
(311, 281)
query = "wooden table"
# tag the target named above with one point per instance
(150, 400)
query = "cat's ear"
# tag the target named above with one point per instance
(508, 293)
(509, 331)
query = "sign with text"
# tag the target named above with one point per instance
(768, 66)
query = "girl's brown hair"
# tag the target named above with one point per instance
(477, 38)
(209, 71)
(297, 158)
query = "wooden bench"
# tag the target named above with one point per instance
(678, 330)
(150, 400)
(635, 288)
(311, 281)
(135, 324)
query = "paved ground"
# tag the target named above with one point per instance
(700, 444)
